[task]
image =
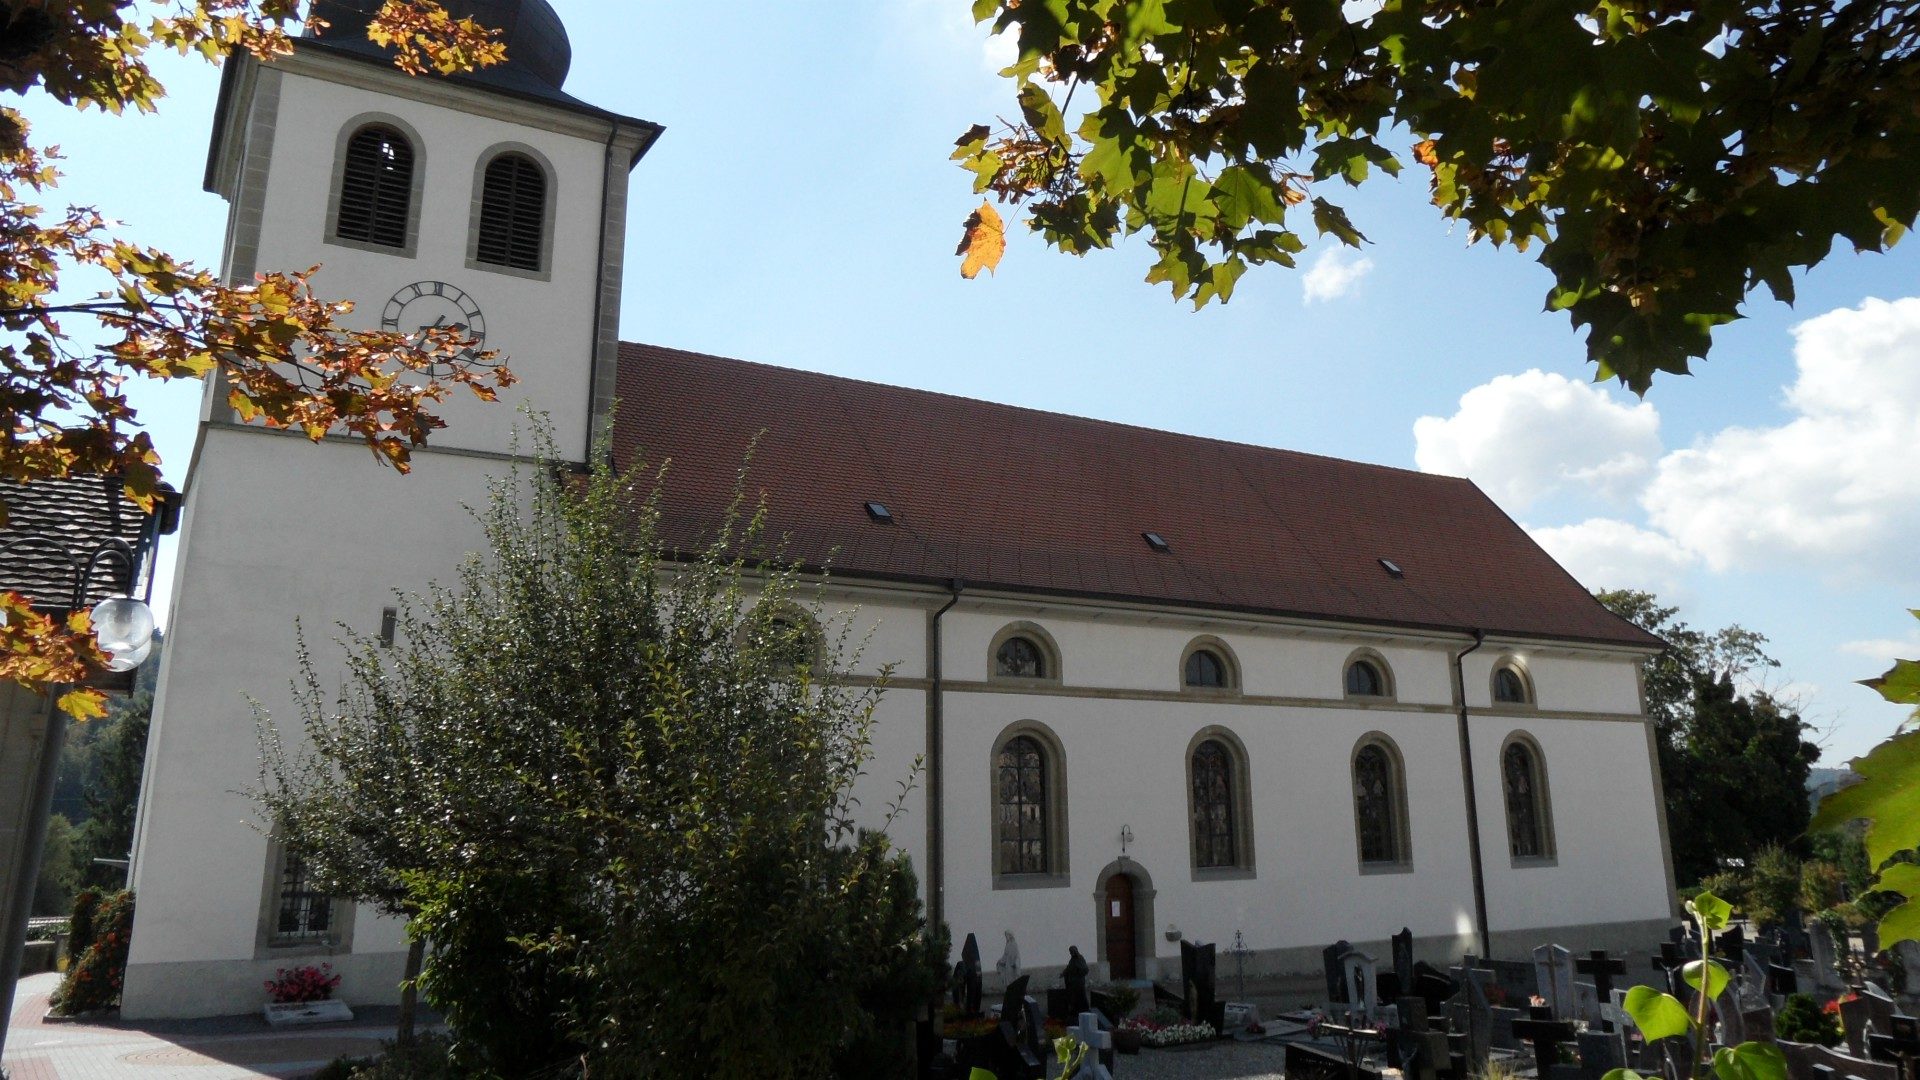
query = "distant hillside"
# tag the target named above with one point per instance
(1823, 782)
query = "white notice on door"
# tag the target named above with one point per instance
(1116, 908)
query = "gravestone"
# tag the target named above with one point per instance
(969, 976)
(1477, 1023)
(1553, 974)
(1669, 963)
(1825, 957)
(1514, 979)
(1096, 1034)
(1781, 981)
(1361, 970)
(1901, 1044)
(1870, 940)
(1601, 1052)
(1586, 1005)
(1500, 1021)
(1853, 1020)
(1811, 1061)
(1909, 954)
(1880, 1008)
(1075, 976)
(1403, 959)
(1196, 981)
(1731, 946)
(1433, 986)
(1603, 968)
(1413, 1041)
(1016, 1053)
(1331, 959)
(1757, 1025)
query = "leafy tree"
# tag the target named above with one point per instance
(281, 351)
(59, 876)
(113, 794)
(1735, 767)
(1665, 160)
(596, 779)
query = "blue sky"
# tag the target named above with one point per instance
(800, 210)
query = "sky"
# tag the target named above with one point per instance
(800, 210)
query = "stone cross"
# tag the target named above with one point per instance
(1670, 961)
(1093, 1034)
(1546, 1034)
(1553, 974)
(1603, 968)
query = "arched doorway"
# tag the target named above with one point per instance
(1123, 920)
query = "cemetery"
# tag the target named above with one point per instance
(1820, 1007)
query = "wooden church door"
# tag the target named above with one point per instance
(1120, 929)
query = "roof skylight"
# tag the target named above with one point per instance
(1156, 541)
(879, 513)
(1392, 568)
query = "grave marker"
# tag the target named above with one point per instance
(1603, 968)
(1331, 959)
(1553, 974)
(1546, 1034)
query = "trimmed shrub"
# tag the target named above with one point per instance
(94, 980)
(1801, 1020)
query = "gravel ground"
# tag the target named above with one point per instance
(1225, 1061)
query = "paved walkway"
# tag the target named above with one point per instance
(229, 1048)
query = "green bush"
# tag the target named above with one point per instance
(97, 974)
(1801, 1019)
(425, 1059)
(1773, 883)
(81, 925)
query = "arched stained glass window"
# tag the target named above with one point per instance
(1214, 839)
(1023, 807)
(1526, 801)
(1021, 658)
(1376, 802)
(376, 188)
(513, 212)
(1206, 670)
(1365, 680)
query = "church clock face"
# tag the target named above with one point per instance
(425, 305)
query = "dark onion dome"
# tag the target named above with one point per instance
(538, 53)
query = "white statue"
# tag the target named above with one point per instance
(1009, 965)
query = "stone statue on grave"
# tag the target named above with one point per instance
(1075, 977)
(1009, 963)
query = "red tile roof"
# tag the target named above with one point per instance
(1010, 498)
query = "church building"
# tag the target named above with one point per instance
(1166, 688)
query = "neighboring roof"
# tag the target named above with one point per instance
(54, 526)
(1010, 498)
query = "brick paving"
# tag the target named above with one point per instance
(229, 1048)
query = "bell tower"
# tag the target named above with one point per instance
(494, 200)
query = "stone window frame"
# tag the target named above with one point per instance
(548, 212)
(1053, 759)
(268, 943)
(807, 621)
(1401, 820)
(1049, 654)
(1144, 926)
(1229, 664)
(329, 229)
(1379, 664)
(1510, 662)
(1542, 802)
(1242, 799)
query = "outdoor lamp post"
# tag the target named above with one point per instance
(46, 564)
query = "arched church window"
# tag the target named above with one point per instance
(1205, 669)
(1023, 834)
(376, 187)
(1364, 679)
(1020, 658)
(1379, 805)
(1528, 833)
(513, 212)
(1509, 686)
(1214, 840)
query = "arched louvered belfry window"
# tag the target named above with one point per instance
(376, 188)
(513, 212)
(1529, 824)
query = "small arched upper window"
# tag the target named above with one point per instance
(792, 642)
(1020, 658)
(1206, 669)
(1509, 688)
(1364, 679)
(513, 212)
(376, 188)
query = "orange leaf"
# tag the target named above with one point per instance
(1423, 153)
(985, 241)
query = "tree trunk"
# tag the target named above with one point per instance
(409, 993)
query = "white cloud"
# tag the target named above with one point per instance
(1524, 436)
(1883, 649)
(1605, 553)
(1002, 49)
(1838, 483)
(1336, 273)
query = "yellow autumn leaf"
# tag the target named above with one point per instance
(983, 243)
(84, 705)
